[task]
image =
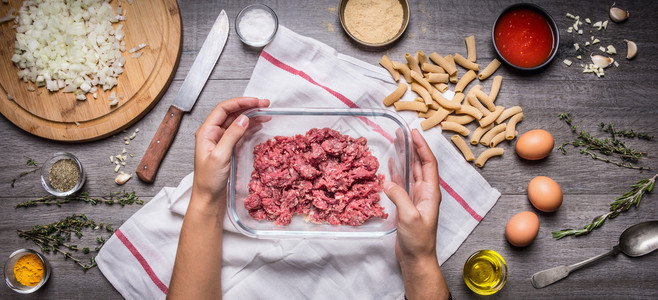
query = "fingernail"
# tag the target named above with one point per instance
(242, 120)
(388, 185)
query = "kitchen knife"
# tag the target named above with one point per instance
(187, 95)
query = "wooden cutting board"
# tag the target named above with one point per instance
(59, 116)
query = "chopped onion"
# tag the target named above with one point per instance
(69, 45)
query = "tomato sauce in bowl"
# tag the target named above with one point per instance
(525, 36)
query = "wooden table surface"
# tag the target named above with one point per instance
(626, 96)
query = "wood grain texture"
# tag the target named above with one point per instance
(50, 115)
(625, 96)
(148, 167)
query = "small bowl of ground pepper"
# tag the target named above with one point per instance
(26, 271)
(62, 174)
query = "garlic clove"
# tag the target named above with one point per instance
(632, 49)
(618, 14)
(122, 178)
(601, 61)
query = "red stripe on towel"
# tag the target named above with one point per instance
(348, 102)
(460, 200)
(339, 96)
(141, 261)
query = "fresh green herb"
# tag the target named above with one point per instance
(30, 163)
(122, 198)
(595, 147)
(56, 237)
(621, 204)
(610, 128)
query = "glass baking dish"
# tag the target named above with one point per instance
(388, 138)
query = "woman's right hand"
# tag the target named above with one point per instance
(417, 226)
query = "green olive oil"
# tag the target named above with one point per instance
(485, 272)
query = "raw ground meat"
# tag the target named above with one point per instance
(324, 175)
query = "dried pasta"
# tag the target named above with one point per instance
(508, 113)
(510, 131)
(421, 57)
(453, 77)
(486, 138)
(435, 119)
(470, 97)
(418, 77)
(465, 80)
(456, 127)
(484, 122)
(469, 110)
(496, 139)
(395, 95)
(422, 92)
(460, 119)
(443, 63)
(410, 105)
(485, 99)
(388, 65)
(489, 153)
(404, 69)
(442, 87)
(438, 77)
(461, 145)
(412, 62)
(443, 101)
(470, 48)
(464, 62)
(478, 133)
(427, 67)
(495, 87)
(489, 69)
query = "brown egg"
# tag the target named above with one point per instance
(522, 229)
(535, 144)
(544, 194)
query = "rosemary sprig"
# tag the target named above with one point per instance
(56, 237)
(122, 198)
(621, 204)
(593, 146)
(30, 163)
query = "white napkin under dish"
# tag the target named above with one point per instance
(297, 71)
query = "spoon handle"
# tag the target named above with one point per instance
(549, 276)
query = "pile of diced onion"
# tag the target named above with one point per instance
(69, 45)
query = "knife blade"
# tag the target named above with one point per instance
(187, 95)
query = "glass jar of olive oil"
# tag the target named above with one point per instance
(485, 272)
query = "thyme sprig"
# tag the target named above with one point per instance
(56, 237)
(121, 198)
(30, 163)
(621, 204)
(593, 147)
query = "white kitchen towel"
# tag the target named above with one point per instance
(297, 71)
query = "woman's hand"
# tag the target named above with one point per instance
(201, 233)
(214, 143)
(417, 225)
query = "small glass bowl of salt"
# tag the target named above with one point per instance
(256, 25)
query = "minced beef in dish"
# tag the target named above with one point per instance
(324, 175)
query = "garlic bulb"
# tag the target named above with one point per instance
(632, 49)
(618, 14)
(602, 61)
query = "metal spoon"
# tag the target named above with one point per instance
(637, 240)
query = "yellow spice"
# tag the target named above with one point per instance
(28, 270)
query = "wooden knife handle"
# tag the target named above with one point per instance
(159, 145)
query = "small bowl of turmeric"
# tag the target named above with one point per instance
(26, 271)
